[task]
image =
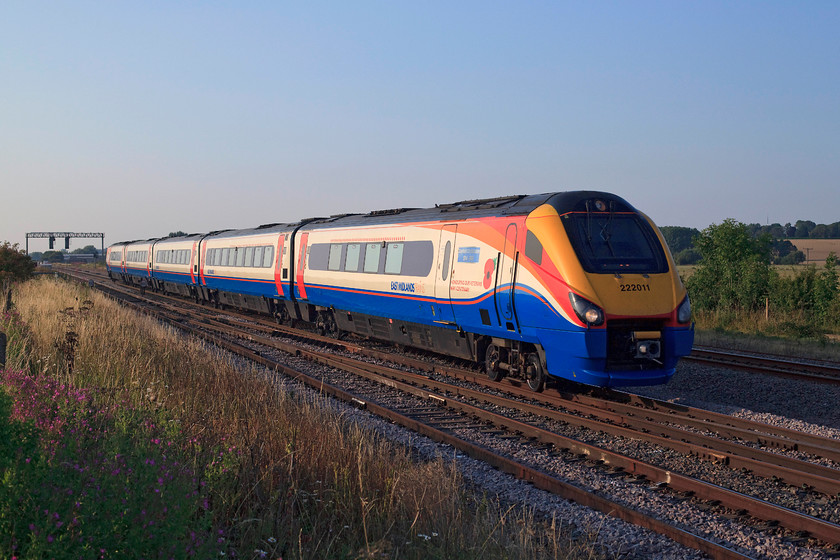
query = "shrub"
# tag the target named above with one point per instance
(86, 482)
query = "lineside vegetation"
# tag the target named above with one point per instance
(735, 288)
(120, 438)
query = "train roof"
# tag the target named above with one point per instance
(506, 205)
(518, 205)
(180, 238)
(265, 228)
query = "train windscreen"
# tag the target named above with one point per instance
(613, 243)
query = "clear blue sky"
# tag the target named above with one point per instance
(141, 118)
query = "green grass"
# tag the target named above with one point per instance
(278, 473)
(86, 482)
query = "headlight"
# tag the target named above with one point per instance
(684, 311)
(586, 311)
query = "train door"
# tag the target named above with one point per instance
(281, 266)
(506, 279)
(304, 242)
(443, 309)
(194, 263)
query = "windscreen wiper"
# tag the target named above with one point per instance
(606, 234)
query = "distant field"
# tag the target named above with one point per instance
(816, 250)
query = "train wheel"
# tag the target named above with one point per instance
(327, 325)
(491, 363)
(534, 373)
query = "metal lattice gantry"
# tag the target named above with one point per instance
(53, 235)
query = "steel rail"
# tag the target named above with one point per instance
(539, 479)
(793, 520)
(821, 373)
(652, 426)
(417, 384)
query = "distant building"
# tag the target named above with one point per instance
(79, 258)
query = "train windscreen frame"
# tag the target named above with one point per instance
(615, 243)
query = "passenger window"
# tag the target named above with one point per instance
(351, 263)
(393, 258)
(447, 252)
(258, 256)
(249, 256)
(268, 257)
(335, 257)
(240, 256)
(372, 251)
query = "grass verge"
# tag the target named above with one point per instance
(788, 335)
(148, 425)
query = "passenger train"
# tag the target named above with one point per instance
(575, 285)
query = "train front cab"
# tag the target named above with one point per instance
(625, 315)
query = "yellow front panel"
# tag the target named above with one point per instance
(618, 295)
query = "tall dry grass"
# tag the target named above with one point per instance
(787, 334)
(294, 476)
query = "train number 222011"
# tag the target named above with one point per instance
(635, 287)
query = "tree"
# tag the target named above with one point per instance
(813, 293)
(86, 250)
(178, 233)
(790, 231)
(53, 256)
(795, 257)
(734, 271)
(687, 257)
(679, 238)
(15, 265)
(781, 249)
(803, 228)
(820, 231)
(825, 288)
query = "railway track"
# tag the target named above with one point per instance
(464, 409)
(823, 372)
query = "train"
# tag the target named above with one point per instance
(577, 286)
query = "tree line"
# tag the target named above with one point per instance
(681, 240)
(734, 276)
